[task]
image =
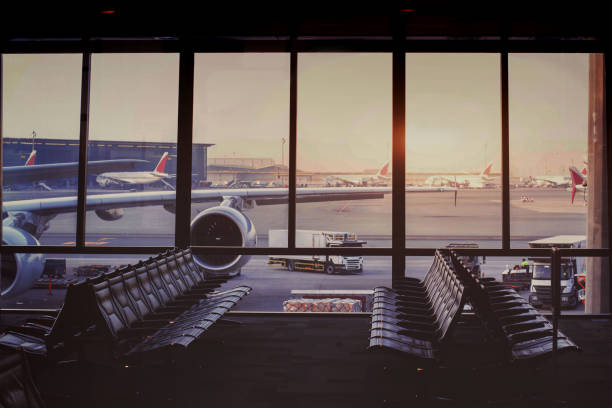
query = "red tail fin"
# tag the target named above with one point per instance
(162, 163)
(487, 170)
(577, 179)
(31, 158)
(384, 171)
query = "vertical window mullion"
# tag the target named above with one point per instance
(184, 149)
(1, 141)
(398, 230)
(83, 150)
(505, 144)
(291, 222)
(606, 167)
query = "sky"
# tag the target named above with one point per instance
(241, 104)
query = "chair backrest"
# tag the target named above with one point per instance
(109, 313)
(128, 310)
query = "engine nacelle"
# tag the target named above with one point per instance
(222, 226)
(112, 214)
(19, 271)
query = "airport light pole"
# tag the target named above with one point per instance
(282, 155)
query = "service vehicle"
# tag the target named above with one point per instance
(317, 239)
(90, 270)
(571, 268)
(518, 276)
(472, 262)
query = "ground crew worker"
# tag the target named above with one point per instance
(525, 264)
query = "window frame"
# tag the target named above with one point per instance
(398, 44)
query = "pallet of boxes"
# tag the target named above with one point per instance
(322, 305)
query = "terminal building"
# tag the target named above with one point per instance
(15, 152)
(246, 170)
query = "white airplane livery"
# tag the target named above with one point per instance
(381, 178)
(24, 221)
(551, 181)
(136, 177)
(481, 180)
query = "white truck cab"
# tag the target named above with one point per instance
(541, 287)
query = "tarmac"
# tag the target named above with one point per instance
(432, 221)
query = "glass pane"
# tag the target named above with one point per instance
(548, 98)
(344, 146)
(241, 120)
(312, 283)
(133, 123)
(45, 277)
(453, 141)
(40, 127)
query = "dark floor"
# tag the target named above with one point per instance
(321, 361)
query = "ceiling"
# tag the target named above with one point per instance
(344, 19)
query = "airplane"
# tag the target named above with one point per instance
(579, 181)
(24, 222)
(131, 178)
(550, 181)
(381, 178)
(37, 172)
(481, 180)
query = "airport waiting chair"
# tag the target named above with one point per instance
(418, 318)
(524, 334)
(159, 303)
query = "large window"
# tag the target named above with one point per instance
(133, 105)
(453, 140)
(338, 107)
(41, 97)
(344, 142)
(549, 112)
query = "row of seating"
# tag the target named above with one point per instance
(508, 318)
(418, 317)
(159, 303)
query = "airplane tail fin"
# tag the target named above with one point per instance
(31, 158)
(384, 170)
(487, 170)
(162, 163)
(577, 179)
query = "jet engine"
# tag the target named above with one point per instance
(19, 272)
(222, 226)
(112, 214)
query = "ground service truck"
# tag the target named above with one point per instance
(541, 288)
(317, 239)
(470, 261)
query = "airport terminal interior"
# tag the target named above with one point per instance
(400, 205)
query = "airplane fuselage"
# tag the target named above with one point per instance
(129, 178)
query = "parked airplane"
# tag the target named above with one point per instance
(550, 181)
(579, 181)
(481, 180)
(381, 178)
(25, 221)
(31, 172)
(131, 178)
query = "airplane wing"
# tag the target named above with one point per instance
(38, 172)
(260, 196)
